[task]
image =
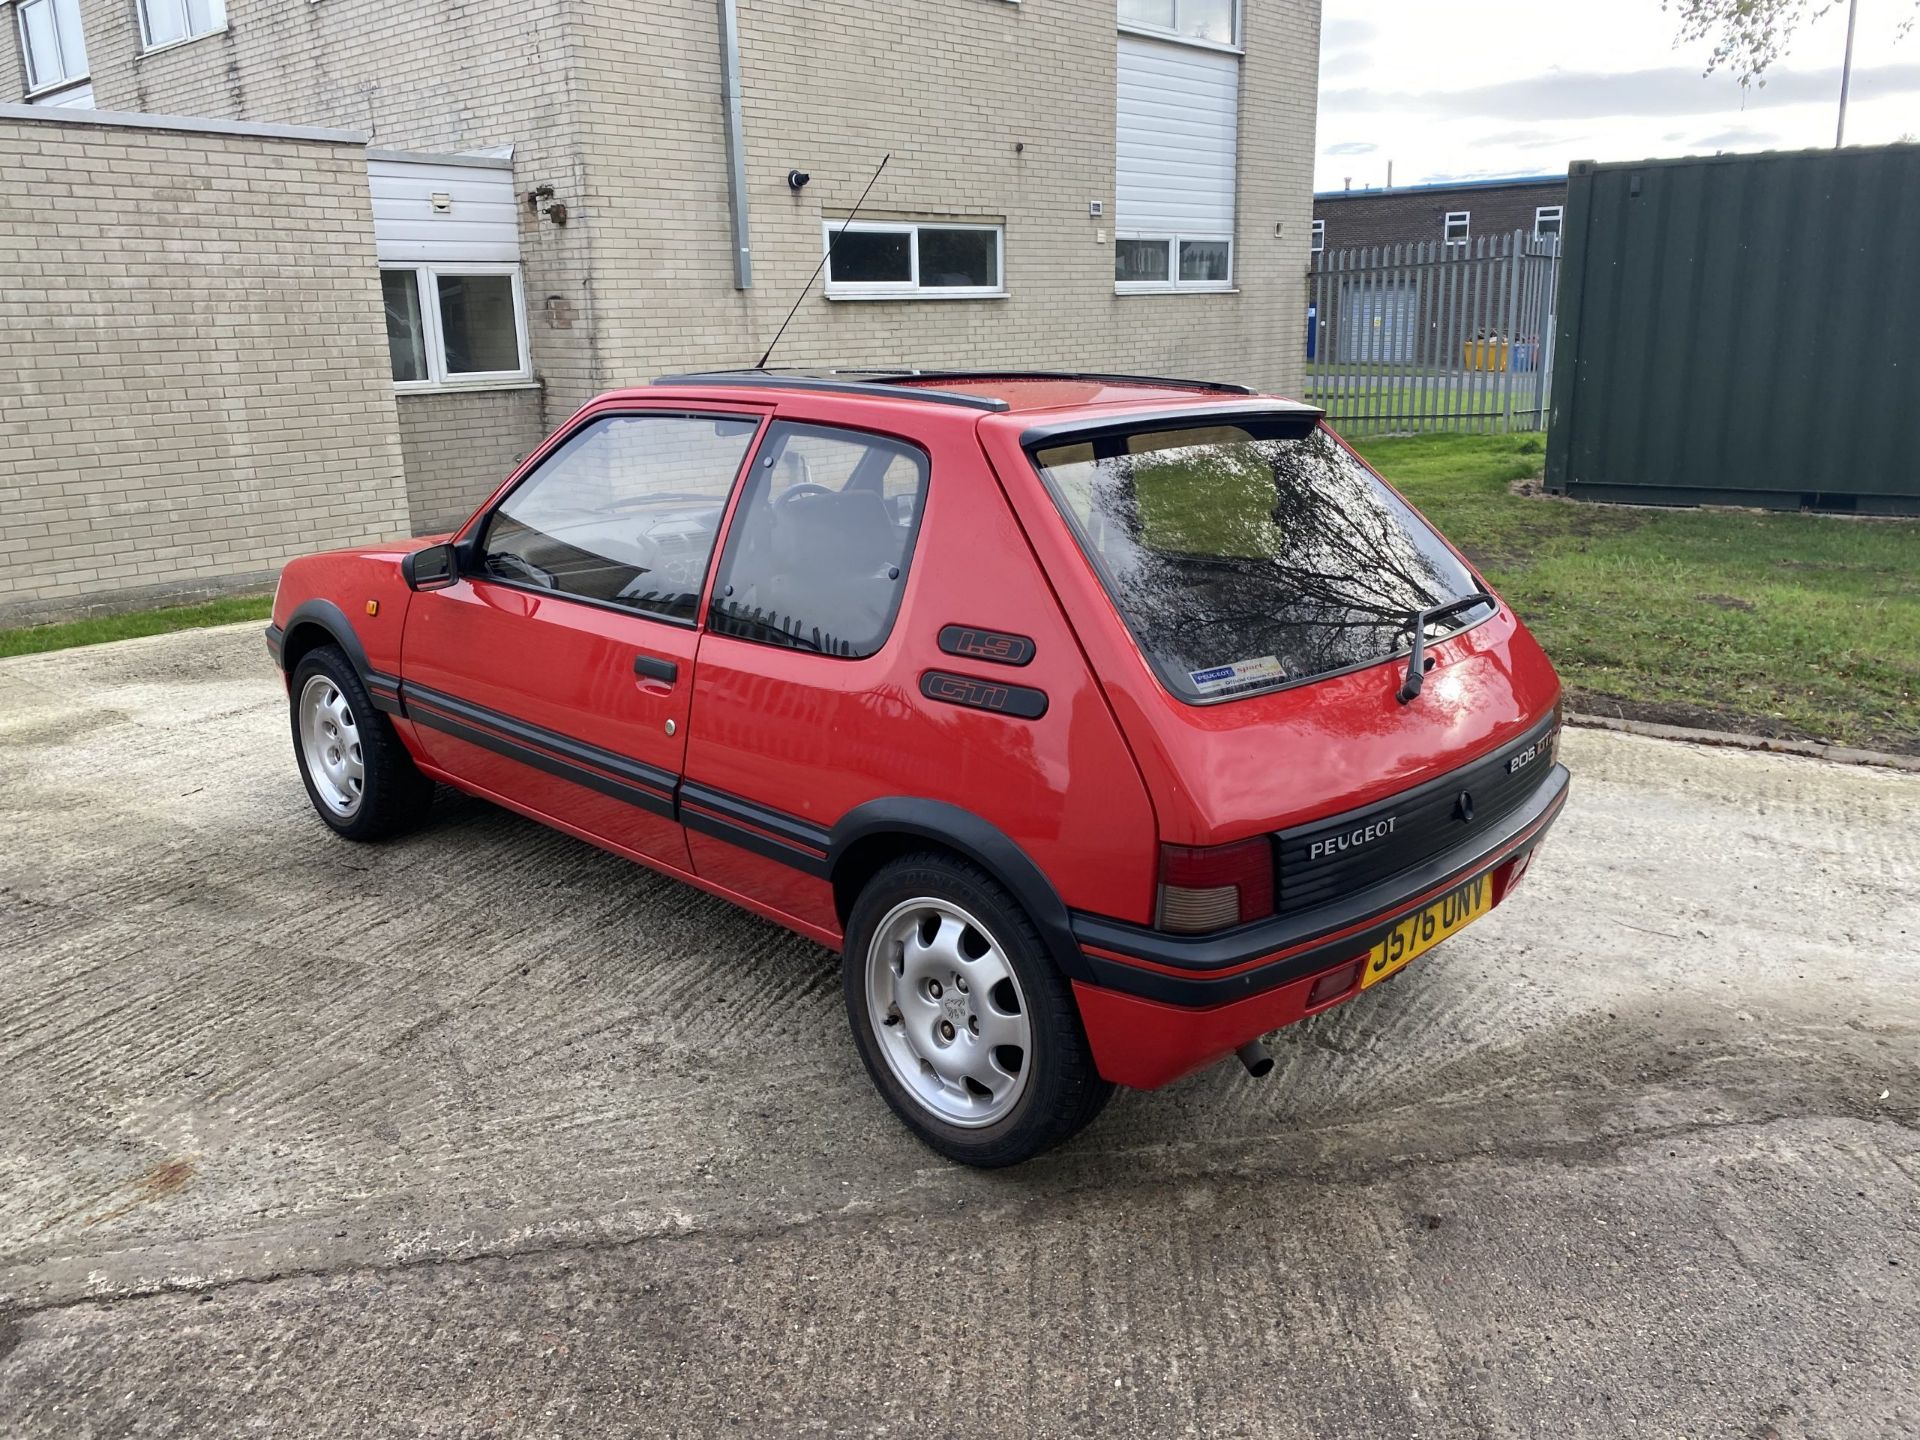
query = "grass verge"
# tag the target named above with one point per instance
(33, 639)
(1774, 624)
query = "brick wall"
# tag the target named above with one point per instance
(196, 383)
(992, 111)
(1414, 215)
(432, 78)
(457, 447)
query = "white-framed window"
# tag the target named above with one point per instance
(168, 22)
(1546, 222)
(51, 43)
(927, 259)
(455, 325)
(1176, 151)
(1458, 227)
(1149, 264)
(1209, 22)
(1319, 236)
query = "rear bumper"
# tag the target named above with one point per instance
(1157, 1006)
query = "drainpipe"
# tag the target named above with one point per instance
(736, 143)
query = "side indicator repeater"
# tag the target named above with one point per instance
(373, 607)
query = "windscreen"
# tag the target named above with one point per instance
(1254, 555)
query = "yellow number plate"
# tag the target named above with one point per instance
(1420, 932)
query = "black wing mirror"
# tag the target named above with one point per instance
(434, 568)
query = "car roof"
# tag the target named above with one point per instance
(997, 391)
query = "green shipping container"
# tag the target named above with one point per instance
(1741, 330)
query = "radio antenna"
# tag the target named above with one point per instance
(824, 259)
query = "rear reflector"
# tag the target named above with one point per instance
(1335, 983)
(1215, 886)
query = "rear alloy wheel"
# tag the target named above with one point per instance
(964, 1023)
(358, 775)
(948, 1012)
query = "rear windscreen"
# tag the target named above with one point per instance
(1250, 556)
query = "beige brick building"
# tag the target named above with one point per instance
(1100, 184)
(194, 382)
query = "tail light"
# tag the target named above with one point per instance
(1211, 887)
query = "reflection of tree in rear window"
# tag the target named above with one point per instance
(1248, 556)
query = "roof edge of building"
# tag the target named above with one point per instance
(193, 124)
(1500, 183)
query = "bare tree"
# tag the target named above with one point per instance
(1749, 36)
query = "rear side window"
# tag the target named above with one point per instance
(1250, 556)
(817, 553)
(625, 512)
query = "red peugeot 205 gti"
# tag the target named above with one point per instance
(1103, 724)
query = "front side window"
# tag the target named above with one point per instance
(817, 553)
(166, 22)
(877, 260)
(625, 512)
(1457, 226)
(1546, 221)
(51, 41)
(455, 325)
(1211, 21)
(1250, 556)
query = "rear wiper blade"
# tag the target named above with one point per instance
(1416, 680)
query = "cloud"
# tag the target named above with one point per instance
(1336, 34)
(1740, 137)
(1584, 95)
(1351, 147)
(1345, 62)
(1528, 139)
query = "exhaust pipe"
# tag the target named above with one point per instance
(1254, 1056)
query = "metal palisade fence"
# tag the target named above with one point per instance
(1435, 336)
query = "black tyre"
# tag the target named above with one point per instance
(358, 775)
(965, 1024)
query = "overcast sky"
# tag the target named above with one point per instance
(1476, 88)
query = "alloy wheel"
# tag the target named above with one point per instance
(948, 1012)
(330, 746)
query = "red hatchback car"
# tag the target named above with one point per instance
(1103, 724)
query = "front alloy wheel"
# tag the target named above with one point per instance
(357, 773)
(330, 745)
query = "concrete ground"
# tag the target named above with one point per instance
(487, 1133)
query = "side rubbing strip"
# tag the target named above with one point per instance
(992, 646)
(984, 695)
(647, 786)
(385, 692)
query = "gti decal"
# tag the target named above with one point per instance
(984, 695)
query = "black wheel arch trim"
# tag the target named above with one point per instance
(1384, 903)
(978, 840)
(329, 617)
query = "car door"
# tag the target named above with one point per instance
(797, 683)
(556, 672)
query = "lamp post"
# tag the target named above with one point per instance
(1846, 74)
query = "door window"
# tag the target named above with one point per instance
(817, 555)
(625, 512)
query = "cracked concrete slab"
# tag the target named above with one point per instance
(485, 1132)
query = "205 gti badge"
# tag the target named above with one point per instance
(1539, 750)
